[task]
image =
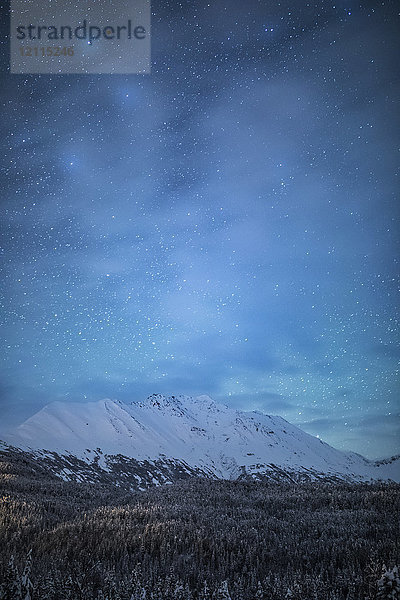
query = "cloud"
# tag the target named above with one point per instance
(375, 434)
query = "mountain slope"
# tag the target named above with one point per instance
(196, 434)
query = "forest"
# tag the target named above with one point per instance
(196, 539)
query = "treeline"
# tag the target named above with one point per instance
(195, 540)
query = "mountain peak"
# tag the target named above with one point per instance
(156, 400)
(181, 404)
(170, 404)
(208, 401)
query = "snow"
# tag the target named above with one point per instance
(197, 431)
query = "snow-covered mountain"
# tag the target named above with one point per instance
(163, 436)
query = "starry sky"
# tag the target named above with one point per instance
(226, 225)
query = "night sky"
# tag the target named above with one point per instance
(227, 225)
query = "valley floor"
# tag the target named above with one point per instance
(193, 540)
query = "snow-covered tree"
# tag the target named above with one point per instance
(259, 593)
(11, 587)
(205, 592)
(293, 592)
(389, 584)
(69, 588)
(138, 590)
(48, 588)
(223, 592)
(26, 583)
(179, 592)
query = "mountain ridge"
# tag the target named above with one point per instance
(197, 435)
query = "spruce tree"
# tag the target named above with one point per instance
(48, 588)
(389, 584)
(223, 592)
(205, 593)
(26, 583)
(259, 592)
(69, 589)
(11, 588)
(138, 589)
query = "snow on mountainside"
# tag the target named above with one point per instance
(200, 435)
